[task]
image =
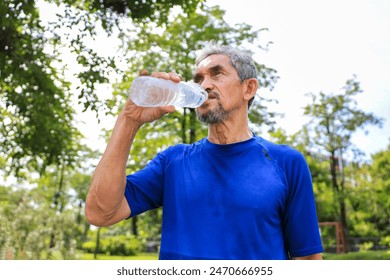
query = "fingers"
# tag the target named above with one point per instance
(167, 76)
(168, 109)
(163, 75)
(144, 72)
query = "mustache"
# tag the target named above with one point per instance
(213, 94)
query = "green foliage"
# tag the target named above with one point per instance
(385, 241)
(380, 174)
(152, 139)
(36, 125)
(87, 17)
(111, 11)
(149, 229)
(27, 228)
(118, 245)
(89, 246)
(379, 191)
(334, 119)
(44, 219)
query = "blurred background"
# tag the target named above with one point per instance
(65, 70)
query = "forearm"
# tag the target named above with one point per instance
(106, 195)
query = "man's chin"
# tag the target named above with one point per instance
(209, 115)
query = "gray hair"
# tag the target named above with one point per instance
(241, 60)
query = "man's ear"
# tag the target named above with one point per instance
(252, 84)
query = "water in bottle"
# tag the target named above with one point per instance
(148, 91)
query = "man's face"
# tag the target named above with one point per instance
(219, 78)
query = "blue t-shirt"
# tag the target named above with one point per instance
(247, 200)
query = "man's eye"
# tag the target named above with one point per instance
(217, 75)
(198, 80)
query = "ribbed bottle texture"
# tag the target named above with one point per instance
(146, 91)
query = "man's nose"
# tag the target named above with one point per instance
(207, 84)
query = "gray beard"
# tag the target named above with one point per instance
(218, 115)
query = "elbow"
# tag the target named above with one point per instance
(100, 215)
(92, 217)
(104, 209)
(94, 214)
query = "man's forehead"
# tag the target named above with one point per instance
(205, 62)
(212, 60)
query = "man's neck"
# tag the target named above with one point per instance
(229, 132)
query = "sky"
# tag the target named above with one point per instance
(319, 45)
(316, 47)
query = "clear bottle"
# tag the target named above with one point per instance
(146, 91)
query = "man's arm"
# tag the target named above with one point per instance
(310, 257)
(106, 203)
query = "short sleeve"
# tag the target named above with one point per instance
(300, 217)
(144, 188)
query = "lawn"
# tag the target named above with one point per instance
(368, 255)
(141, 256)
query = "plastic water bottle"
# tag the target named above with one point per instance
(146, 91)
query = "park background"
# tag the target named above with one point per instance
(66, 66)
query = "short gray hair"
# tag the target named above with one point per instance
(241, 60)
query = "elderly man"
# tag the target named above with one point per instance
(231, 195)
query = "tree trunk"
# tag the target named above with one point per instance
(97, 244)
(343, 209)
(339, 192)
(184, 126)
(134, 226)
(56, 202)
(192, 125)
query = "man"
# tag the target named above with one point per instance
(232, 195)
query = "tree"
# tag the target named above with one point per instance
(109, 12)
(367, 185)
(37, 124)
(334, 119)
(44, 217)
(380, 177)
(27, 226)
(37, 127)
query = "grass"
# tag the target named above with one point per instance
(141, 256)
(367, 255)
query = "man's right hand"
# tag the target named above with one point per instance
(141, 115)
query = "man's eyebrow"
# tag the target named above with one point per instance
(213, 70)
(216, 69)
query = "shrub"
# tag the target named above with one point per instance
(89, 247)
(385, 241)
(120, 245)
